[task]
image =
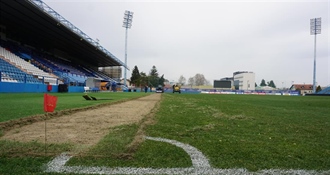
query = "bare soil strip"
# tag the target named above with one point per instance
(85, 127)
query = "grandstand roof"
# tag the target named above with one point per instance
(29, 24)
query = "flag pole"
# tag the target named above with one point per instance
(45, 103)
(49, 106)
(46, 134)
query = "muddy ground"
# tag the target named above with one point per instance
(84, 127)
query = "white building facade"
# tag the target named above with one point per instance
(244, 80)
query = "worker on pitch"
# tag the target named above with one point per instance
(114, 86)
(108, 85)
(145, 88)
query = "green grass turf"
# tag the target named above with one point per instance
(248, 131)
(22, 165)
(233, 131)
(20, 105)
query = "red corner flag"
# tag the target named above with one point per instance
(49, 103)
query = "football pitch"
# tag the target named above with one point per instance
(248, 132)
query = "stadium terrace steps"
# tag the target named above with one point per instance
(9, 73)
(28, 67)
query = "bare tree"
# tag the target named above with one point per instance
(191, 81)
(182, 80)
(207, 83)
(199, 79)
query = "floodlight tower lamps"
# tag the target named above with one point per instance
(127, 23)
(315, 29)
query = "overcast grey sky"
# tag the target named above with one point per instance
(214, 38)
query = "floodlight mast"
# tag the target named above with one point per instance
(127, 23)
(315, 29)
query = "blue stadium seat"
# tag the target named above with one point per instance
(324, 91)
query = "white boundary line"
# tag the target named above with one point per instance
(199, 161)
(197, 158)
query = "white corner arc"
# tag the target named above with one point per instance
(200, 165)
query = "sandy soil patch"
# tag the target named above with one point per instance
(85, 127)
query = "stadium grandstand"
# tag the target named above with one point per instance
(325, 91)
(41, 51)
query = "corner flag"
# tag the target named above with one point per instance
(49, 103)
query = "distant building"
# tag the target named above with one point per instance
(267, 88)
(244, 80)
(227, 79)
(114, 72)
(302, 88)
(128, 81)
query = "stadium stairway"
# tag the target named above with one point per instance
(65, 70)
(100, 74)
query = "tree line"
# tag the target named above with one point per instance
(197, 80)
(142, 79)
(269, 83)
(154, 79)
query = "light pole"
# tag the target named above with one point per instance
(127, 23)
(315, 29)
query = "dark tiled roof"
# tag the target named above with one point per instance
(303, 86)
